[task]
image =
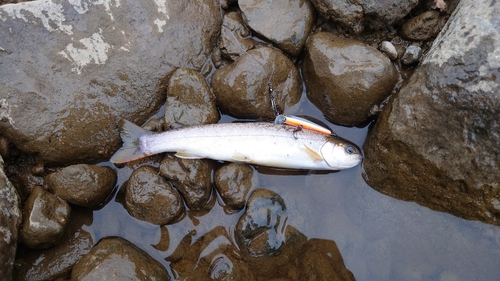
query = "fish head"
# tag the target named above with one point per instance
(341, 154)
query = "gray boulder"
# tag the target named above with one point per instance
(438, 143)
(69, 68)
(10, 220)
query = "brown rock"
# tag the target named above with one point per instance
(56, 262)
(193, 179)
(345, 78)
(189, 100)
(438, 142)
(82, 184)
(286, 23)
(117, 259)
(151, 198)
(46, 217)
(423, 27)
(233, 182)
(242, 88)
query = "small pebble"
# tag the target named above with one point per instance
(411, 55)
(389, 50)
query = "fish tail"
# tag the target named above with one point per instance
(131, 149)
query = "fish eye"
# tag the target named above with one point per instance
(349, 149)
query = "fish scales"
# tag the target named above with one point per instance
(257, 143)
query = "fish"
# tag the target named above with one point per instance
(301, 122)
(256, 143)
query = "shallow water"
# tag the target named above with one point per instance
(380, 238)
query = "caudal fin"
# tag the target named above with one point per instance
(131, 149)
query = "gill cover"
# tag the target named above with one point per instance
(340, 154)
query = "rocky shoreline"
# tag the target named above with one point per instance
(427, 73)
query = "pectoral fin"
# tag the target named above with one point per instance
(314, 155)
(187, 155)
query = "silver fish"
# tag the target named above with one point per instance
(259, 143)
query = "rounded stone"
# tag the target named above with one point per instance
(411, 55)
(189, 100)
(389, 49)
(242, 88)
(149, 197)
(233, 182)
(345, 78)
(82, 184)
(192, 177)
(117, 259)
(423, 27)
(346, 13)
(260, 231)
(286, 23)
(46, 217)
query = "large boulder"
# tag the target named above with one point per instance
(10, 220)
(438, 143)
(69, 68)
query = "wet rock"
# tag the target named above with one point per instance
(46, 217)
(117, 259)
(261, 229)
(193, 179)
(82, 184)
(210, 257)
(189, 100)
(233, 41)
(438, 143)
(10, 221)
(233, 182)
(76, 77)
(242, 88)
(286, 23)
(389, 49)
(380, 14)
(151, 198)
(345, 78)
(56, 262)
(411, 55)
(321, 260)
(423, 27)
(345, 12)
(4, 147)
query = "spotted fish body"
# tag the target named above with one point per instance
(259, 143)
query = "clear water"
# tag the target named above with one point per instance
(380, 238)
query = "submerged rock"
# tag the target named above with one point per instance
(210, 257)
(233, 182)
(242, 88)
(151, 198)
(189, 100)
(74, 77)
(345, 78)
(192, 177)
(83, 185)
(115, 258)
(438, 142)
(261, 229)
(10, 220)
(46, 218)
(286, 23)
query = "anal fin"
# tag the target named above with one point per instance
(187, 155)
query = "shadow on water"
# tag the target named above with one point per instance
(379, 238)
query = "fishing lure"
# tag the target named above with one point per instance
(301, 123)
